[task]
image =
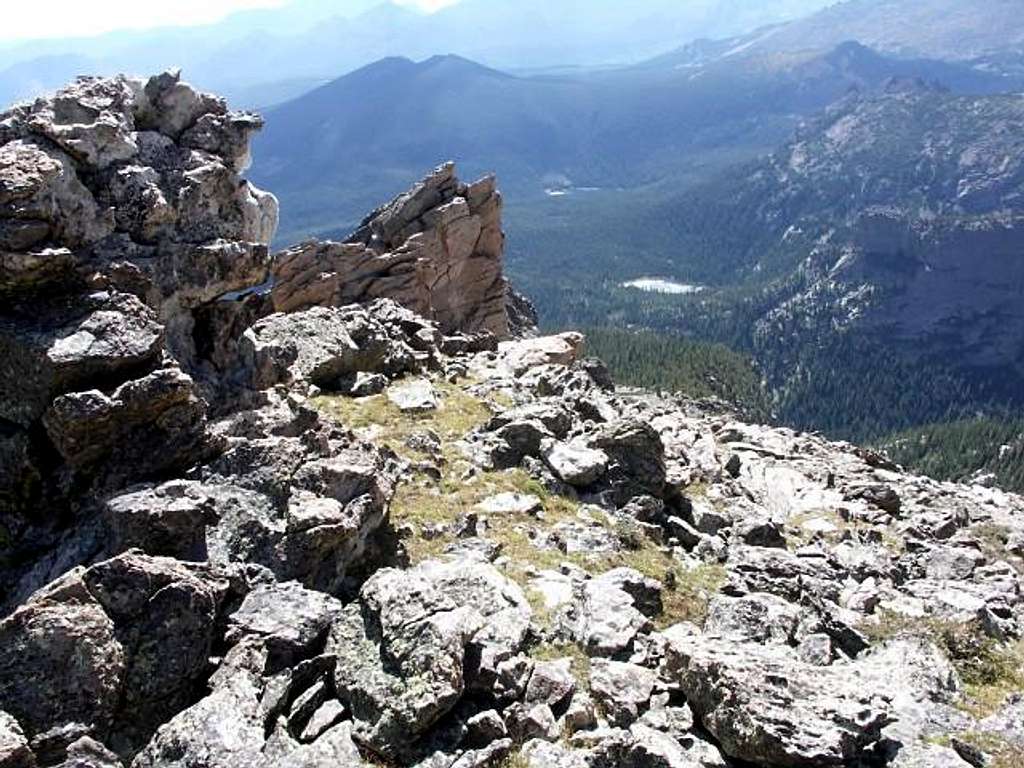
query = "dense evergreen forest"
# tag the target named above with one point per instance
(964, 450)
(695, 369)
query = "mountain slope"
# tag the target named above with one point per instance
(883, 252)
(611, 130)
(954, 30)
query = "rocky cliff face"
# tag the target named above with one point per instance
(346, 519)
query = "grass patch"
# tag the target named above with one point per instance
(515, 759)
(579, 662)
(693, 590)
(424, 502)
(1003, 753)
(990, 671)
(458, 414)
(797, 535)
(993, 539)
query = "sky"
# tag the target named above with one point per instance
(82, 18)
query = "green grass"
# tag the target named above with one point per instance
(990, 671)
(1003, 753)
(422, 502)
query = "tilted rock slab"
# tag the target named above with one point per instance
(436, 249)
(417, 639)
(764, 706)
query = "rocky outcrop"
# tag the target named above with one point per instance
(437, 249)
(235, 533)
(121, 213)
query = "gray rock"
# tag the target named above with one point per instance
(291, 621)
(551, 683)
(322, 346)
(414, 641)
(88, 753)
(484, 728)
(14, 749)
(416, 396)
(223, 730)
(526, 722)
(146, 426)
(757, 618)
(637, 458)
(168, 520)
(575, 464)
(65, 346)
(816, 650)
(117, 647)
(623, 690)
(608, 618)
(326, 716)
(764, 706)
(543, 754)
(511, 504)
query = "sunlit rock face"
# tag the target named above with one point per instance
(122, 215)
(436, 249)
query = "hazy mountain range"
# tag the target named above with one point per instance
(343, 147)
(261, 57)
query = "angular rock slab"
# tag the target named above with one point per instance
(764, 706)
(436, 249)
(413, 641)
(117, 647)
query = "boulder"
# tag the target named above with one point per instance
(415, 396)
(146, 426)
(575, 464)
(755, 618)
(168, 520)
(511, 504)
(606, 615)
(133, 184)
(521, 356)
(764, 706)
(622, 690)
(329, 346)
(552, 683)
(414, 642)
(290, 621)
(636, 458)
(117, 647)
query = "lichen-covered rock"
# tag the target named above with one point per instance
(289, 621)
(414, 642)
(117, 647)
(762, 705)
(325, 346)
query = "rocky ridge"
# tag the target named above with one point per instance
(323, 508)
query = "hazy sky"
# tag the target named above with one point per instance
(79, 18)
